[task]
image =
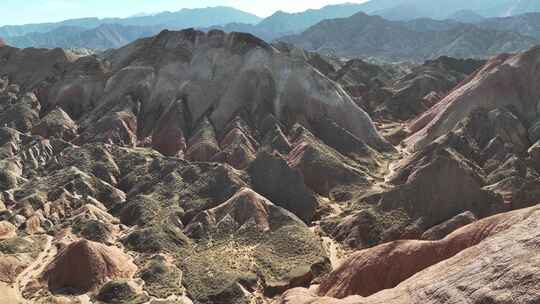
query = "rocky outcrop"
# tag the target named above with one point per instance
(239, 146)
(63, 188)
(362, 229)
(118, 128)
(203, 145)
(365, 82)
(159, 273)
(534, 131)
(96, 263)
(494, 142)
(244, 208)
(56, 124)
(275, 140)
(94, 159)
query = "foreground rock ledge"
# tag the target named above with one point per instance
(508, 271)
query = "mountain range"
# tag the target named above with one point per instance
(363, 35)
(226, 18)
(526, 24)
(103, 37)
(465, 32)
(281, 23)
(185, 18)
(412, 9)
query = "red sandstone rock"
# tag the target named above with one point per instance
(239, 147)
(502, 268)
(84, 265)
(385, 266)
(202, 146)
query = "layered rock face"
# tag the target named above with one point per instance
(212, 168)
(202, 84)
(505, 81)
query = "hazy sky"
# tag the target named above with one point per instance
(37, 11)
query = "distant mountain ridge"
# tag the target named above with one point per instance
(526, 24)
(281, 23)
(363, 35)
(229, 19)
(412, 9)
(105, 36)
(466, 16)
(513, 32)
(184, 18)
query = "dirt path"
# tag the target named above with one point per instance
(8, 294)
(332, 249)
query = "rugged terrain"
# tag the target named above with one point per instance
(195, 167)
